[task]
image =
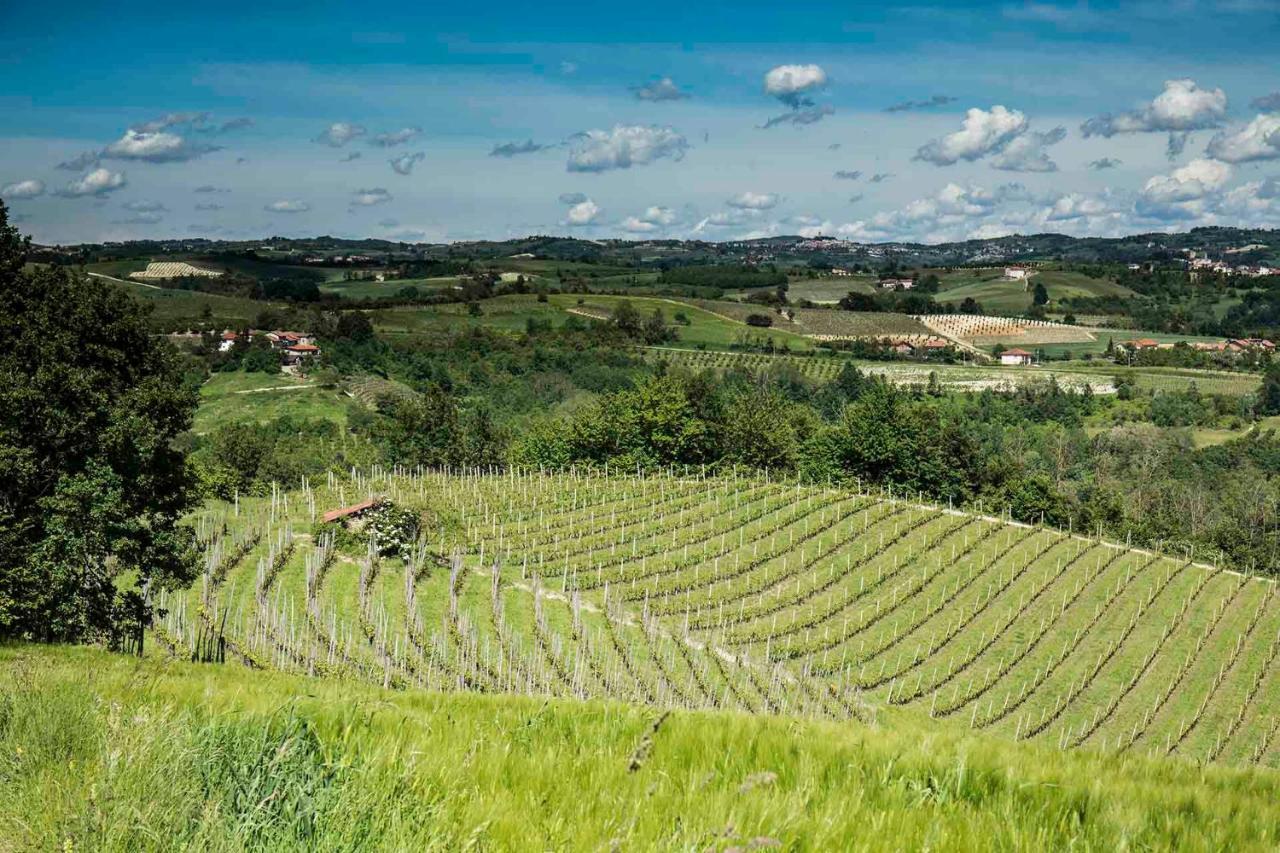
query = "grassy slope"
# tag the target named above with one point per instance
(224, 759)
(999, 296)
(258, 397)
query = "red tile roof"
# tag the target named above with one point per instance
(303, 348)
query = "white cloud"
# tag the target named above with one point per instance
(398, 137)
(1193, 181)
(370, 197)
(791, 83)
(22, 189)
(659, 90)
(403, 165)
(98, 182)
(170, 120)
(583, 213)
(636, 225)
(1257, 140)
(1026, 153)
(155, 147)
(753, 201)
(1182, 106)
(339, 134)
(572, 198)
(150, 218)
(287, 206)
(623, 147)
(660, 215)
(653, 219)
(983, 132)
(1073, 206)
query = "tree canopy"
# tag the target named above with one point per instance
(94, 485)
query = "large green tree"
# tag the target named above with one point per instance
(93, 486)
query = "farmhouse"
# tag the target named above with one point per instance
(840, 271)
(227, 341)
(1016, 273)
(1141, 343)
(1016, 356)
(897, 283)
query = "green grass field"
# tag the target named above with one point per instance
(822, 290)
(102, 752)
(511, 313)
(259, 397)
(371, 289)
(1000, 296)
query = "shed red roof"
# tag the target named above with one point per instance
(303, 348)
(354, 509)
(1016, 351)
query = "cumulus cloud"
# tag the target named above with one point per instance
(22, 189)
(800, 117)
(339, 134)
(955, 206)
(370, 197)
(99, 182)
(1270, 188)
(792, 84)
(1255, 141)
(403, 165)
(1104, 163)
(234, 124)
(654, 218)
(1267, 103)
(844, 175)
(572, 198)
(623, 147)
(1074, 206)
(513, 149)
(1026, 153)
(754, 201)
(982, 133)
(287, 206)
(934, 101)
(81, 162)
(159, 146)
(394, 138)
(1182, 106)
(1184, 193)
(583, 213)
(664, 89)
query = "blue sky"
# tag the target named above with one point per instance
(719, 121)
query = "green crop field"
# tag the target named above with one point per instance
(821, 322)
(824, 368)
(370, 289)
(750, 595)
(259, 397)
(824, 290)
(1000, 296)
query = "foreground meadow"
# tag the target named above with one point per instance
(104, 752)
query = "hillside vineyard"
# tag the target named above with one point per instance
(751, 594)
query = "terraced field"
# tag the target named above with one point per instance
(750, 594)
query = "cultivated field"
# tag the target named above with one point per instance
(954, 377)
(749, 594)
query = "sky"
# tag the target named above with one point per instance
(422, 122)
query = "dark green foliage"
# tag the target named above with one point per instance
(724, 277)
(93, 484)
(761, 320)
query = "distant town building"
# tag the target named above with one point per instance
(897, 283)
(1016, 273)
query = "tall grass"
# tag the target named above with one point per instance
(104, 753)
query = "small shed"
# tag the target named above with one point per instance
(352, 516)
